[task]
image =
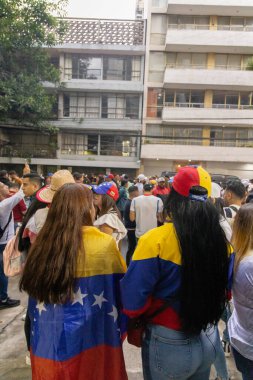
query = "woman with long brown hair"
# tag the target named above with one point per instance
(71, 275)
(240, 324)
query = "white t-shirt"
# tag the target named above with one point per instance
(146, 208)
(113, 221)
(6, 207)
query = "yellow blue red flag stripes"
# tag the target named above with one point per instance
(82, 339)
(154, 276)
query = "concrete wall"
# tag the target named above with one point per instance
(217, 41)
(208, 79)
(197, 153)
(208, 116)
(215, 7)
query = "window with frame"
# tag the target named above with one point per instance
(184, 98)
(230, 100)
(86, 67)
(81, 105)
(79, 144)
(122, 68)
(188, 22)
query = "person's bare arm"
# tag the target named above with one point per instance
(132, 216)
(106, 229)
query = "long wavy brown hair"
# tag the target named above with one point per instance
(242, 238)
(50, 268)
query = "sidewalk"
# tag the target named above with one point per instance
(13, 345)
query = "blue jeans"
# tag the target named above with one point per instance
(220, 361)
(244, 365)
(170, 354)
(3, 278)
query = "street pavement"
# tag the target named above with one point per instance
(13, 345)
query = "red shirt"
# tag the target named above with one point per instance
(18, 211)
(160, 190)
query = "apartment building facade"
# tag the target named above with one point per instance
(198, 102)
(99, 107)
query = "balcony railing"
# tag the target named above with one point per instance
(98, 113)
(184, 105)
(206, 141)
(96, 74)
(105, 150)
(204, 66)
(241, 28)
(28, 151)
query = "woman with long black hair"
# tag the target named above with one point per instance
(182, 272)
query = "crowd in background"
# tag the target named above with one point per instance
(189, 242)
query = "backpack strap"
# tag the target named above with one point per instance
(2, 231)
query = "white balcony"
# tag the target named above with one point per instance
(216, 79)
(86, 161)
(103, 85)
(207, 116)
(70, 123)
(211, 7)
(196, 153)
(206, 41)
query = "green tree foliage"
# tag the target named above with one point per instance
(27, 28)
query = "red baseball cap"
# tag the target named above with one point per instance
(189, 176)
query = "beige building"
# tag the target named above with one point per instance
(198, 102)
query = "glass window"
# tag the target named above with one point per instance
(237, 23)
(113, 68)
(182, 98)
(169, 97)
(234, 61)
(171, 59)
(221, 60)
(132, 107)
(199, 60)
(232, 100)
(218, 99)
(184, 60)
(172, 21)
(245, 99)
(197, 98)
(86, 67)
(158, 29)
(202, 22)
(249, 23)
(224, 23)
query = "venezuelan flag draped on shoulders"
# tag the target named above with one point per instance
(154, 275)
(82, 339)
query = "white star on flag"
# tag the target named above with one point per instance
(78, 298)
(99, 299)
(40, 307)
(114, 313)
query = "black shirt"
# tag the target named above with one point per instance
(128, 223)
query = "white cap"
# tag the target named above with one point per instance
(141, 177)
(216, 190)
(161, 179)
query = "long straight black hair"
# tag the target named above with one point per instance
(204, 251)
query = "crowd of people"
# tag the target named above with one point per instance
(188, 264)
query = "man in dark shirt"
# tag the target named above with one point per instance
(130, 226)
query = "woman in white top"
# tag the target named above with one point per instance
(241, 323)
(108, 218)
